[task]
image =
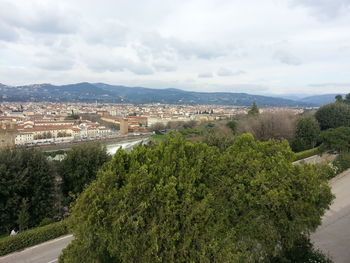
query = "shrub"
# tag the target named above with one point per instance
(32, 237)
(46, 221)
(302, 251)
(335, 139)
(306, 154)
(188, 202)
(342, 162)
(333, 115)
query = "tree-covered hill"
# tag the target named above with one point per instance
(89, 92)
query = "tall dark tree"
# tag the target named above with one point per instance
(254, 110)
(23, 216)
(336, 139)
(339, 98)
(25, 174)
(187, 202)
(306, 134)
(80, 166)
(233, 126)
(347, 98)
(333, 115)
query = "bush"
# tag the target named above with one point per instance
(46, 221)
(335, 139)
(188, 202)
(32, 237)
(301, 252)
(306, 154)
(333, 115)
(342, 162)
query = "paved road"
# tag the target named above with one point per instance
(333, 236)
(316, 159)
(47, 252)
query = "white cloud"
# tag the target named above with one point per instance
(224, 72)
(205, 75)
(286, 58)
(284, 45)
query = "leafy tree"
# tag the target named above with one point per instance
(190, 124)
(306, 134)
(186, 202)
(254, 110)
(301, 252)
(80, 166)
(347, 98)
(333, 115)
(25, 174)
(342, 162)
(232, 125)
(335, 139)
(339, 98)
(23, 217)
(219, 141)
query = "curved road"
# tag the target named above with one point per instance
(333, 236)
(47, 252)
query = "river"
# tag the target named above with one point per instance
(112, 148)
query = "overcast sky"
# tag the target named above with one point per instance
(254, 46)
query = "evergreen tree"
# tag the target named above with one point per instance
(347, 98)
(25, 174)
(187, 202)
(333, 115)
(336, 139)
(23, 217)
(254, 110)
(339, 98)
(80, 166)
(306, 134)
(233, 126)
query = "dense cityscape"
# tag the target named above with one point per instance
(29, 124)
(160, 131)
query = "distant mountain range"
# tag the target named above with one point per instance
(100, 92)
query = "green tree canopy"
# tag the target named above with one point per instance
(306, 134)
(254, 110)
(333, 115)
(187, 202)
(336, 139)
(232, 125)
(339, 98)
(25, 176)
(347, 98)
(80, 166)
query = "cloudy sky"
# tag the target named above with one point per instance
(254, 46)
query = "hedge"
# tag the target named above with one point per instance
(306, 154)
(32, 237)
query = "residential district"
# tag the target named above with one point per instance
(29, 124)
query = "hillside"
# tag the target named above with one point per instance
(89, 92)
(320, 99)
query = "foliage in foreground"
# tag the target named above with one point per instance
(301, 252)
(26, 188)
(32, 237)
(188, 202)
